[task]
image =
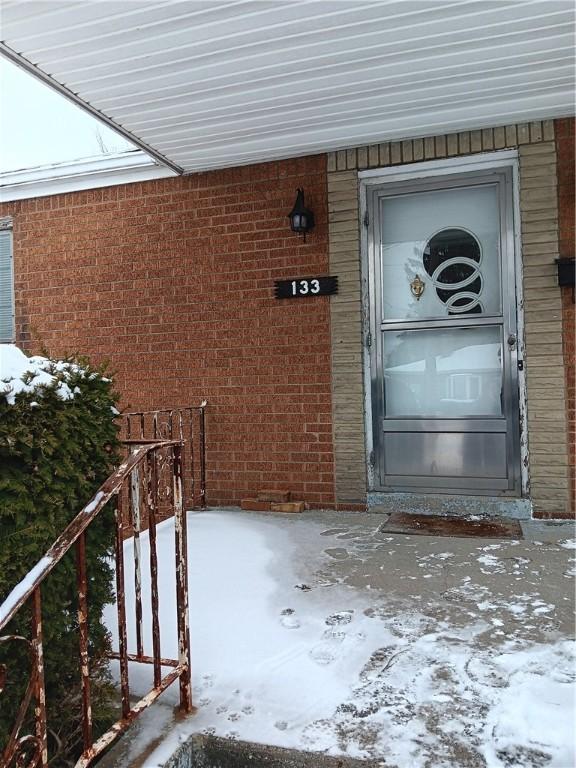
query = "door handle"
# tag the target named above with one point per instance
(512, 340)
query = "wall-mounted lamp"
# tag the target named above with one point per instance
(301, 218)
(566, 274)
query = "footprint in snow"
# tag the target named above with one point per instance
(322, 654)
(334, 531)
(288, 620)
(485, 672)
(520, 755)
(337, 553)
(319, 729)
(340, 618)
(442, 698)
(327, 651)
(207, 681)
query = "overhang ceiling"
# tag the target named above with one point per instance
(208, 84)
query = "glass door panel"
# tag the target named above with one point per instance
(443, 372)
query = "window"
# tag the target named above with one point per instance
(6, 285)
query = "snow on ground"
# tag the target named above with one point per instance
(19, 373)
(330, 640)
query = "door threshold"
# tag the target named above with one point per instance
(453, 505)
(450, 525)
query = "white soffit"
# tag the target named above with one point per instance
(208, 83)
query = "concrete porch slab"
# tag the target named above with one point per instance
(320, 634)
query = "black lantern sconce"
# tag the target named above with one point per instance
(301, 218)
(566, 274)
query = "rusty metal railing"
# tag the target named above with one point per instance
(133, 485)
(185, 424)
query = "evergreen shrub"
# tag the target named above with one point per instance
(58, 443)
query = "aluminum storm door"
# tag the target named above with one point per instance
(443, 327)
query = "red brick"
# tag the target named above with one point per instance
(276, 496)
(255, 505)
(288, 506)
(172, 282)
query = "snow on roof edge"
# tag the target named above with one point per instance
(77, 161)
(86, 173)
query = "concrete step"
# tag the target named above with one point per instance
(447, 504)
(202, 751)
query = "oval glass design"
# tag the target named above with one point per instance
(452, 259)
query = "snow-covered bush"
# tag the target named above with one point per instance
(58, 443)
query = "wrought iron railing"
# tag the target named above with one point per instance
(185, 424)
(135, 490)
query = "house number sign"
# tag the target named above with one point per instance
(305, 287)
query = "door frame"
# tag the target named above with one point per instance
(445, 171)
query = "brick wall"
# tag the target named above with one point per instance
(172, 282)
(565, 152)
